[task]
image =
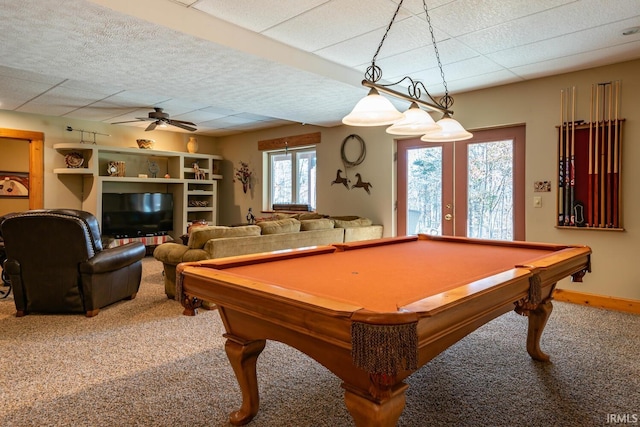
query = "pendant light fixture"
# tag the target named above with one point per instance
(415, 121)
(371, 111)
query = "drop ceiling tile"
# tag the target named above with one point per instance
(254, 117)
(416, 6)
(97, 88)
(30, 76)
(198, 116)
(460, 70)
(572, 44)
(468, 16)
(349, 19)
(405, 35)
(15, 92)
(98, 112)
(226, 122)
(243, 13)
(179, 106)
(549, 24)
(481, 81)
(135, 99)
(61, 99)
(619, 53)
(408, 63)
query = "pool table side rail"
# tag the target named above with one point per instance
(567, 261)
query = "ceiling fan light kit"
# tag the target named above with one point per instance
(371, 111)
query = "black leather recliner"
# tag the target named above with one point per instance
(56, 263)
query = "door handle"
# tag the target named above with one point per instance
(448, 217)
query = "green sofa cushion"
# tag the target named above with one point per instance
(316, 224)
(200, 235)
(351, 221)
(287, 225)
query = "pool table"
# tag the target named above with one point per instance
(373, 312)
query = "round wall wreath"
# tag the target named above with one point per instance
(363, 151)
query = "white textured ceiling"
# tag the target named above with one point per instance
(236, 65)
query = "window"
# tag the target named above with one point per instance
(292, 177)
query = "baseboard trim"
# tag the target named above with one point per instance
(599, 301)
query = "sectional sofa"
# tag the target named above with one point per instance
(298, 231)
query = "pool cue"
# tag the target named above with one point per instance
(616, 159)
(572, 166)
(567, 167)
(609, 161)
(603, 153)
(596, 150)
(560, 198)
(590, 165)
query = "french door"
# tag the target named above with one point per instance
(472, 188)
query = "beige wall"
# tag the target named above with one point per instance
(535, 103)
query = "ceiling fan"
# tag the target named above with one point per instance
(159, 118)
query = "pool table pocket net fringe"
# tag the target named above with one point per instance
(534, 297)
(397, 343)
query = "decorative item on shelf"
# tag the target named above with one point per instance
(166, 175)
(192, 145)
(121, 168)
(375, 110)
(197, 172)
(361, 184)
(153, 168)
(74, 160)
(198, 203)
(251, 218)
(145, 144)
(243, 175)
(112, 168)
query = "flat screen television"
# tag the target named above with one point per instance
(136, 214)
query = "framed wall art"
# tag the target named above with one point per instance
(14, 184)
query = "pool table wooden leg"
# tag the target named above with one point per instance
(537, 320)
(243, 356)
(369, 413)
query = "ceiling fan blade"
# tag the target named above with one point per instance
(183, 122)
(151, 126)
(181, 126)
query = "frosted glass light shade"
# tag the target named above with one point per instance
(416, 121)
(372, 110)
(451, 131)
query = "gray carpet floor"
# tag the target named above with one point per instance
(141, 363)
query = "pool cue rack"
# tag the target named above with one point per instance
(589, 160)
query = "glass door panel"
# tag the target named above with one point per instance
(490, 190)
